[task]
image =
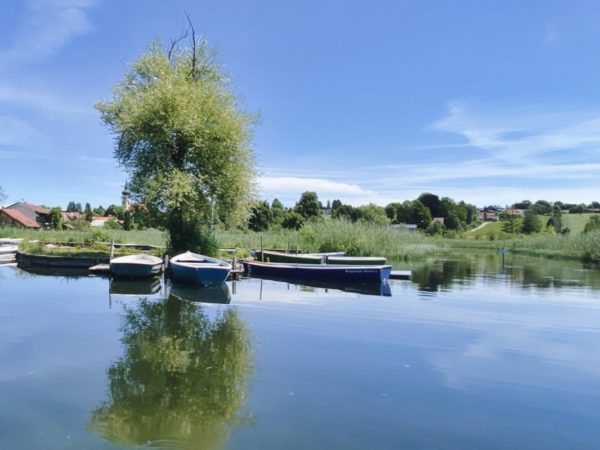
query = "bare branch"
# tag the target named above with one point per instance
(176, 41)
(194, 56)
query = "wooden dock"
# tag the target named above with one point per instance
(401, 274)
(100, 269)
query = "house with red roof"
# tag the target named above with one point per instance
(24, 215)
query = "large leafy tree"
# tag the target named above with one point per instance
(419, 214)
(184, 140)
(531, 223)
(260, 217)
(432, 202)
(309, 205)
(2, 195)
(277, 212)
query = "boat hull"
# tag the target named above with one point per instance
(196, 275)
(329, 273)
(136, 266)
(199, 269)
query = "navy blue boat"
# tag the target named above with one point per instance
(319, 272)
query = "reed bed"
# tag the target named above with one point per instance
(332, 235)
(584, 246)
(355, 239)
(88, 237)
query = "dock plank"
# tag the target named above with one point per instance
(401, 274)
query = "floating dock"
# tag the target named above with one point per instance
(100, 269)
(401, 274)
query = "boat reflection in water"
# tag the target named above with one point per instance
(66, 272)
(140, 287)
(217, 293)
(378, 289)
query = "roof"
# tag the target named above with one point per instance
(18, 216)
(72, 215)
(30, 206)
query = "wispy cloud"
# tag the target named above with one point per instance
(15, 132)
(6, 154)
(551, 37)
(522, 135)
(40, 100)
(50, 26)
(96, 160)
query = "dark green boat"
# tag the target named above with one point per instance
(280, 257)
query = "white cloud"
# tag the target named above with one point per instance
(289, 188)
(521, 135)
(50, 26)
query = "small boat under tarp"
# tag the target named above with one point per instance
(319, 272)
(281, 257)
(199, 269)
(356, 260)
(317, 258)
(8, 249)
(136, 266)
(10, 241)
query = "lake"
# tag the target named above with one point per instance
(478, 353)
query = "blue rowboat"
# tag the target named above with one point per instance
(199, 269)
(136, 266)
(319, 272)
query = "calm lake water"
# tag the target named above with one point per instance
(471, 353)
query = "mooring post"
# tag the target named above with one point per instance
(262, 253)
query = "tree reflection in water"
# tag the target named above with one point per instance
(182, 381)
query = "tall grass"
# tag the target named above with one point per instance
(354, 239)
(143, 237)
(331, 235)
(585, 246)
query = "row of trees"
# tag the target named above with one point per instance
(112, 210)
(544, 207)
(421, 211)
(135, 217)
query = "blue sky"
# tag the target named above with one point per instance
(491, 102)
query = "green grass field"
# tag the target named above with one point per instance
(575, 222)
